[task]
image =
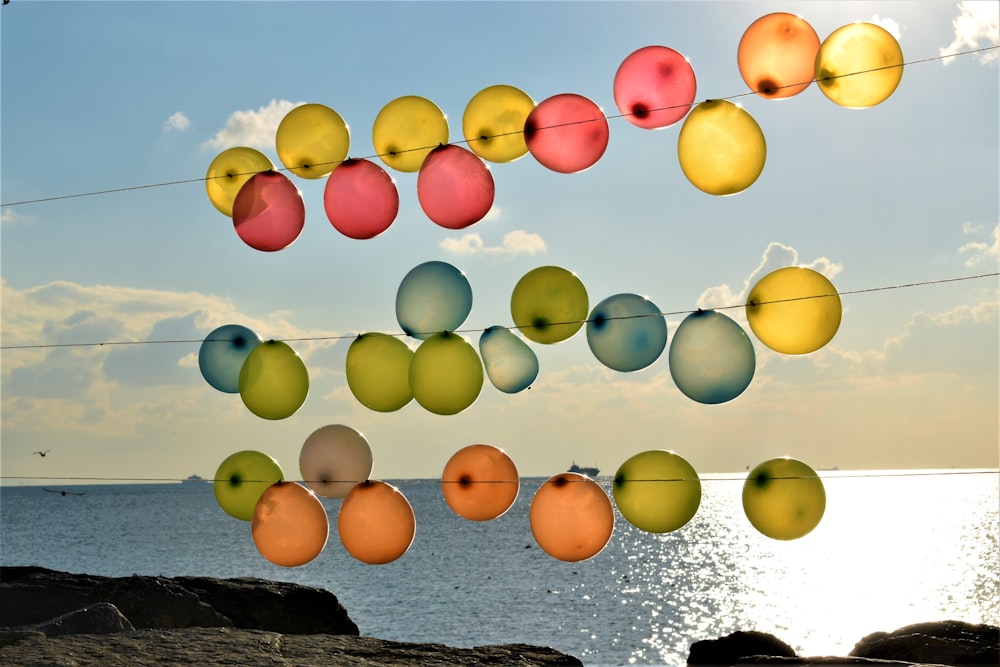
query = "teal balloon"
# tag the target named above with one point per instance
(626, 332)
(222, 354)
(511, 364)
(711, 357)
(433, 297)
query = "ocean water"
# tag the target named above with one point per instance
(891, 550)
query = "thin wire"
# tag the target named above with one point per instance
(513, 327)
(484, 137)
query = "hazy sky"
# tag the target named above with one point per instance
(99, 96)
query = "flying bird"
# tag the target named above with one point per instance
(42, 454)
(65, 493)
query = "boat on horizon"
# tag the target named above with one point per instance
(589, 472)
(193, 478)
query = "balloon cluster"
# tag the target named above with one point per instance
(720, 148)
(571, 516)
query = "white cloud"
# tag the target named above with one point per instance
(981, 253)
(255, 129)
(8, 216)
(177, 122)
(517, 242)
(976, 26)
(889, 24)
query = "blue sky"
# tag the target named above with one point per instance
(98, 96)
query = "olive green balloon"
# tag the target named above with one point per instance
(657, 491)
(378, 371)
(274, 381)
(549, 304)
(242, 479)
(446, 374)
(784, 498)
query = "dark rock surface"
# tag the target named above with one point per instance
(727, 650)
(97, 619)
(944, 642)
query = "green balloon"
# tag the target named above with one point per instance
(274, 381)
(446, 374)
(242, 479)
(549, 304)
(378, 371)
(784, 498)
(657, 491)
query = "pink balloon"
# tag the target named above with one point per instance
(654, 87)
(268, 211)
(455, 187)
(566, 133)
(361, 199)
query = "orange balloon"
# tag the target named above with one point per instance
(777, 54)
(289, 525)
(571, 517)
(376, 523)
(480, 482)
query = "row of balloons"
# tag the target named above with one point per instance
(571, 516)
(793, 310)
(720, 147)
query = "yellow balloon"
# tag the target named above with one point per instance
(794, 310)
(378, 371)
(784, 499)
(657, 491)
(549, 304)
(851, 50)
(229, 171)
(274, 381)
(721, 148)
(446, 374)
(312, 139)
(493, 123)
(241, 479)
(406, 130)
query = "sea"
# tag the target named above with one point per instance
(893, 548)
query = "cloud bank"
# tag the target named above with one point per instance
(255, 129)
(976, 26)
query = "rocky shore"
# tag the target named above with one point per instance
(78, 620)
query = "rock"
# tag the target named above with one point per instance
(729, 649)
(942, 642)
(33, 594)
(97, 619)
(156, 602)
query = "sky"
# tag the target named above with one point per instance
(122, 95)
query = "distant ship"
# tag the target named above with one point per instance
(589, 472)
(193, 478)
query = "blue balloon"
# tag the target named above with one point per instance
(222, 355)
(510, 363)
(626, 332)
(433, 297)
(711, 357)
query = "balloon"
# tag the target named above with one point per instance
(274, 382)
(510, 364)
(433, 297)
(241, 479)
(493, 123)
(571, 517)
(290, 526)
(549, 304)
(721, 148)
(654, 87)
(333, 459)
(784, 498)
(268, 212)
(480, 482)
(657, 491)
(222, 354)
(566, 133)
(626, 332)
(360, 199)
(405, 131)
(312, 139)
(711, 358)
(776, 55)
(376, 523)
(229, 171)
(851, 50)
(446, 374)
(794, 310)
(378, 371)
(454, 187)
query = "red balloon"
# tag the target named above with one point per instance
(455, 187)
(654, 87)
(361, 199)
(268, 211)
(566, 133)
